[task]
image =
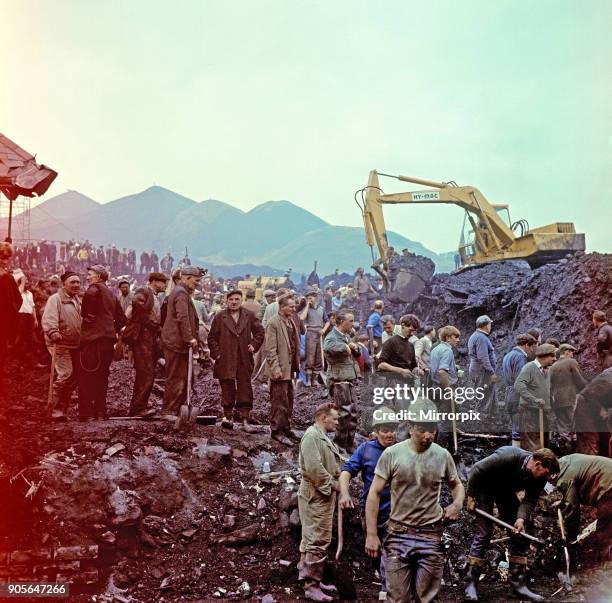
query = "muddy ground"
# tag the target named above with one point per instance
(170, 516)
(160, 508)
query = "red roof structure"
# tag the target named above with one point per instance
(20, 174)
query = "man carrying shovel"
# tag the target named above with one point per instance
(179, 333)
(496, 479)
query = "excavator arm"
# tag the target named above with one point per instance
(493, 239)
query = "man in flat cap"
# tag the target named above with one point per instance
(125, 295)
(61, 324)
(103, 319)
(235, 335)
(566, 381)
(533, 388)
(482, 363)
(179, 333)
(142, 334)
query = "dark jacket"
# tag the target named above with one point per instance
(228, 342)
(596, 396)
(181, 322)
(504, 473)
(10, 302)
(565, 382)
(102, 315)
(512, 364)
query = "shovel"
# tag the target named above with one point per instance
(187, 413)
(51, 377)
(541, 413)
(565, 578)
(341, 570)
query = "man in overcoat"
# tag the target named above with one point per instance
(235, 335)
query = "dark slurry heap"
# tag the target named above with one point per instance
(557, 298)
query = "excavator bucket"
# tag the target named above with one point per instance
(414, 274)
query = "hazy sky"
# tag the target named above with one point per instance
(252, 101)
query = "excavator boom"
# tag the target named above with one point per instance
(493, 239)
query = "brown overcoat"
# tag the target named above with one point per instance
(228, 342)
(278, 349)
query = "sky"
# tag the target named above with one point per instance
(251, 101)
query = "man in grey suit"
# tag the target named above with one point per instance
(533, 388)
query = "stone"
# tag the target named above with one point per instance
(114, 449)
(108, 538)
(288, 499)
(229, 522)
(284, 562)
(189, 533)
(268, 599)
(70, 553)
(283, 521)
(261, 504)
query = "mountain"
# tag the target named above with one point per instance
(275, 234)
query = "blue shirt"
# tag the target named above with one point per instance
(481, 353)
(376, 322)
(443, 358)
(364, 461)
(512, 364)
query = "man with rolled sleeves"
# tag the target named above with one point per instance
(179, 333)
(533, 388)
(496, 480)
(314, 317)
(415, 469)
(319, 461)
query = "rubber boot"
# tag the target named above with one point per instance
(517, 581)
(473, 575)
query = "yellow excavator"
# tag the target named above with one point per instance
(487, 238)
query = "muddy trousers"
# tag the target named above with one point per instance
(95, 358)
(237, 395)
(529, 426)
(345, 398)
(281, 405)
(314, 358)
(565, 417)
(66, 370)
(317, 516)
(414, 562)
(145, 359)
(441, 398)
(507, 504)
(175, 392)
(487, 405)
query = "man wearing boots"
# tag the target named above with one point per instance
(61, 323)
(533, 388)
(415, 468)
(282, 349)
(103, 319)
(340, 353)
(143, 329)
(179, 333)
(496, 480)
(512, 364)
(319, 461)
(235, 335)
(314, 317)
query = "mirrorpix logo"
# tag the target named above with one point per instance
(423, 416)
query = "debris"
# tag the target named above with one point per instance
(244, 589)
(284, 563)
(261, 504)
(114, 449)
(247, 535)
(108, 538)
(229, 522)
(238, 454)
(189, 533)
(294, 519)
(165, 583)
(268, 599)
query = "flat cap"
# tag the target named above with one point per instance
(564, 347)
(191, 271)
(234, 292)
(250, 293)
(546, 349)
(67, 275)
(158, 276)
(312, 293)
(269, 293)
(483, 320)
(98, 269)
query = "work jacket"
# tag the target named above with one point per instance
(481, 353)
(102, 315)
(584, 479)
(505, 471)
(342, 365)
(181, 323)
(62, 315)
(278, 349)
(228, 342)
(565, 382)
(319, 461)
(512, 364)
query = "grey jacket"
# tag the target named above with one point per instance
(342, 365)
(62, 315)
(532, 384)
